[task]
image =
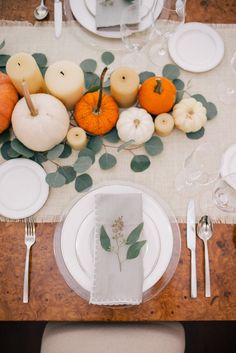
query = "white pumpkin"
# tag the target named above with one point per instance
(189, 115)
(44, 130)
(135, 124)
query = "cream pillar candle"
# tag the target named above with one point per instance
(77, 138)
(124, 86)
(65, 80)
(164, 124)
(23, 67)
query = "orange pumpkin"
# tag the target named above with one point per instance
(96, 112)
(8, 99)
(157, 95)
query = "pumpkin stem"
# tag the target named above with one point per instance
(28, 99)
(100, 90)
(158, 88)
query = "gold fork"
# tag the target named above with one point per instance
(29, 241)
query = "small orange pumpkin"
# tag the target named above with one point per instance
(96, 112)
(8, 99)
(157, 95)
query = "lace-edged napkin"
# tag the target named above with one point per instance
(118, 260)
(109, 12)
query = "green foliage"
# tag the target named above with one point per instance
(107, 161)
(91, 80)
(3, 60)
(139, 163)
(134, 235)
(171, 71)
(196, 135)
(200, 98)
(2, 44)
(143, 76)
(104, 239)
(211, 110)
(55, 152)
(112, 136)
(87, 152)
(66, 152)
(95, 143)
(124, 145)
(56, 179)
(82, 164)
(68, 172)
(88, 65)
(83, 182)
(17, 146)
(107, 57)
(179, 84)
(5, 136)
(40, 59)
(4, 150)
(154, 146)
(134, 249)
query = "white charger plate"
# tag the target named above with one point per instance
(196, 47)
(228, 165)
(73, 242)
(23, 189)
(85, 10)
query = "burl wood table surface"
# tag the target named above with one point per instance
(52, 299)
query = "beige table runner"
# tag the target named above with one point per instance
(77, 44)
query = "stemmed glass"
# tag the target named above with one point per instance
(226, 89)
(224, 193)
(166, 23)
(136, 34)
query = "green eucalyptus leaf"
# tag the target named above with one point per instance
(200, 98)
(66, 152)
(112, 136)
(83, 182)
(82, 164)
(4, 150)
(211, 110)
(5, 136)
(179, 96)
(135, 234)
(55, 180)
(40, 158)
(21, 149)
(12, 153)
(104, 239)
(3, 70)
(196, 135)
(95, 143)
(154, 146)
(107, 161)
(91, 80)
(43, 70)
(125, 145)
(68, 172)
(55, 152)
(3, 59)
(171, 71)
(92, 89)
(107, 57)
(140, 163)
(107, 83)
(40, 59)
(2, 44)
(87, 152)
(143, 76)
(179, 84)
(88, 65)
(134, 249)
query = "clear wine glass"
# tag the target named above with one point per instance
(224, 193)
(227, 88)
(170, 18)
(136, 29)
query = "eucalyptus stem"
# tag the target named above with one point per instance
(97, 110)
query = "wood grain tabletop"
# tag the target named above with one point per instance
(51, 298)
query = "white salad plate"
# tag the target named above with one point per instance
(85, 11)
(196, 47)
(228, 165)
(74, 238)
(23, 189)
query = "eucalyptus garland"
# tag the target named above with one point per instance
(11, 148)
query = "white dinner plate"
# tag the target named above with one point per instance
(85, 10)
(228, 165)
(196, 47)
(73, 242)
(23, 189)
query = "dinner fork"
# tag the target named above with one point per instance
(29, 241)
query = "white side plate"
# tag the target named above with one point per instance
(196, 47)
(23, 189)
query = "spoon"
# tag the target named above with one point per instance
(41, 11)
(205, 231)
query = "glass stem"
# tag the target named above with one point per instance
(162, 49)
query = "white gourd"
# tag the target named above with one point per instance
(135, 124)
(45, 130)
(189, 115)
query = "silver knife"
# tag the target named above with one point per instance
(191, 244)
(57, 17)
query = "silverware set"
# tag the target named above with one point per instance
(29, 242)
(204, 231)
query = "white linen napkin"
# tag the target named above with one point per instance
(118, 254)
(109, 12)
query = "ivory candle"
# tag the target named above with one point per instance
(23, 67)
(65, 80)
(77, 138)
(124, 86)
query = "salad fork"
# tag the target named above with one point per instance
(29, 241)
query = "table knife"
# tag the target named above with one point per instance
(57, 17)
(191, 244)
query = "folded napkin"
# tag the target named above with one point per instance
(118, 255)
(109, 12)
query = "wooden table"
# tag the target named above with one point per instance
(52, 299)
